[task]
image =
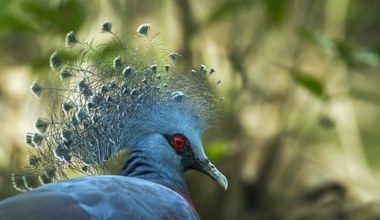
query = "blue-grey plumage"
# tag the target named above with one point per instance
(135, 101)
(98, 197)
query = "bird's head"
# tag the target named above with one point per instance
(170, 133)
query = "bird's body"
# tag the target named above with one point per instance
(98, 197)
(131, 101)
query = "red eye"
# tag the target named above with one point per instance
(178, 142)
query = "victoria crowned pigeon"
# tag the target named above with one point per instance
(108, 98)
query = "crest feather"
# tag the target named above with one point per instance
(103, 95)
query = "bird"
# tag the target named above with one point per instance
(108, 98)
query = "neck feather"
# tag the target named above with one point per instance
(139, 165)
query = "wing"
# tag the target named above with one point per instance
(98, 197)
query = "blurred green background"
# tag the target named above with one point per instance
(297, 137)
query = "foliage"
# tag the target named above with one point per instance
(297, 136)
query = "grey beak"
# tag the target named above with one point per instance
(209, 169)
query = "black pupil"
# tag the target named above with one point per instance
(179, 142)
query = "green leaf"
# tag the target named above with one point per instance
(216, 150)
(66, 17)
(356, 57)
(4, 5)
(276, 11)
(367, 58)
(11, 22)
(310, 83)
(306, 80)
